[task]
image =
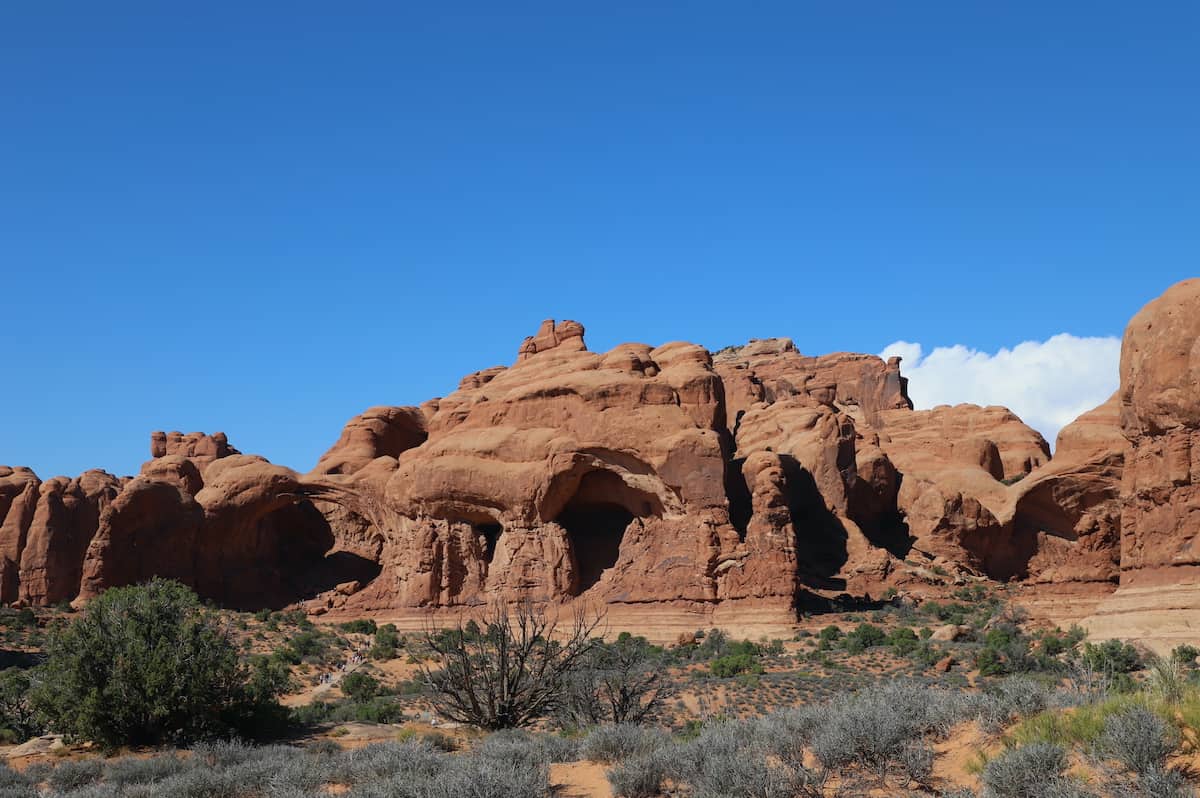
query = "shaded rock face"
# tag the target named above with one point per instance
(243, 533)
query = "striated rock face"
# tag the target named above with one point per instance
(1160, 415)
(1159, 397)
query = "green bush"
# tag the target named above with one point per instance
(387, 640)
(903, 641)
(864, 636)
(828, 636)
(359, 687)
(732, 664)
(1112, 657)
(17, 716)
(364, 626)
(1185, 654)
(147, 665)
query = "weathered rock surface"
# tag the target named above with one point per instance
(1071, 507)
(18, 500)
(1160, 416)
(1159, 590)
(198, 447)
(954, 461)
(750, 481)
(64, 521)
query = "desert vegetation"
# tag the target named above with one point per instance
(154, 693)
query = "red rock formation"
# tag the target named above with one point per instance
(750, 480)
(953, 461)
(1071, 506)
(1160, 415)
(18, 500)
(1159, 592)
(64, 521)
(379, 432)
(198, 447)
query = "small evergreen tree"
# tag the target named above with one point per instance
(149, 665)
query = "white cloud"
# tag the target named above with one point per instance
(1047, 383)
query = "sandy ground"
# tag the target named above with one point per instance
(580, 780)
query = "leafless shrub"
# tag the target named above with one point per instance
(507, 669)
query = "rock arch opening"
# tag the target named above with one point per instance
(596, 518)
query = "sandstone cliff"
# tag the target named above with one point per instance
(757, 478)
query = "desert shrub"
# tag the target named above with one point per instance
(788, 733)
(72, 775)
(381, 709)
(915, 761)
(131, 770)
(1167, 677)
(736, 770)
(872, 728)
(142, 665)
(618, 682)
(1007, 650)
(364, 626)
(951, 613)
(17, 714)
(864, 636)
(638, 776)
(617, 742)
(11, 779)
(1138, 739)
(1157, 783)
(1111, 657)
(414, 761)
(512, 674)
(828, 636)
(903, 641)
(1030, 771)
(480, 777)
(359, 687)
(516, 745)
(387, 640)
(730, 665)
(1185, 654)
(1019, 696)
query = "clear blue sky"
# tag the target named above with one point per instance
(263, 218)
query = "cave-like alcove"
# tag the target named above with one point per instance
(292, 556)
(595, 531)
(595, 519)
(741, 503)
(488, 535)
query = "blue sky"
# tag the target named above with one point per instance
(263, 218)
